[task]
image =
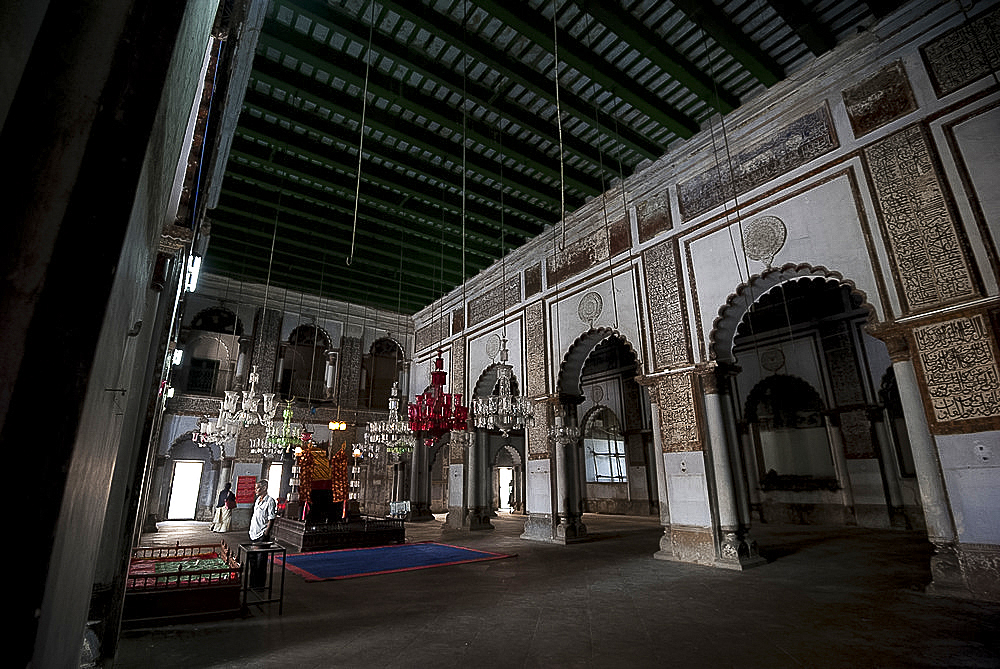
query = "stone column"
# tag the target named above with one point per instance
(945, 569)
(666, 545)
(477, 513)
(890, 470)
(420, 506)
(735, 550)
(566, 435)
(833, 433)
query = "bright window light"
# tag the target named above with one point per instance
(194, 268)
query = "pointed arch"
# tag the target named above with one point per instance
(571, 369)
(738, 304)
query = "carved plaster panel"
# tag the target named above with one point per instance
(583, 254)
(927, 248)
(678, 417)
(879, 99)
(493, 301)
(653, 216)
(534, 349)
(667, 315)
(959, 366)
(790, 146)
(965, 54)
(431, 334)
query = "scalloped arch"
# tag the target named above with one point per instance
(571, 368)
(487, 381)
(725, 324)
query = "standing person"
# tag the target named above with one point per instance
(264, 511)
(261, 524)
(224, 509)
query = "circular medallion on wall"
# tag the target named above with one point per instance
(590, 308)
(492, 346)
(598, 394)
(763, 237)
(772, 359)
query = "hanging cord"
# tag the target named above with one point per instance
(562, 168)
(745, 267)
(274, 233)
(312, 364)
(604, 191)
(465, 122)
(361, 138)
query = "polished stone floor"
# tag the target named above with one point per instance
(827, 597)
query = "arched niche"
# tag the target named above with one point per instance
(571, 370)
(732, 313)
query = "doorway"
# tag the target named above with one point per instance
(184, 490)
(505, 484)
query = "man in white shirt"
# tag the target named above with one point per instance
(261, 522)
(264, 511)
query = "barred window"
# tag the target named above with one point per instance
(604, 447)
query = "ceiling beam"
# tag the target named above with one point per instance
(524, 20)
(529, 78)
(712, 20)
(427, 69)
(530, 217)
(429, 141)
(806, 25)
(419, 103)
(431, 208)
(651, 45)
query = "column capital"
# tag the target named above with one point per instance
(895, 338)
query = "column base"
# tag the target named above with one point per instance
(968, 571)
(476, 519)
(569, 530)
(420, 513)
(538, 527)
(738, 552)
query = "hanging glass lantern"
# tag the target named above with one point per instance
(503, 411)
(435, 412)
(393, 433)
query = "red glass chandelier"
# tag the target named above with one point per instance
(435, 412)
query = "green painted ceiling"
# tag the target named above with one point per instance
(458, 96)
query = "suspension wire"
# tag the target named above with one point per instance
(361, 137)
(562, 169)
(604, 193)
(312, 364)
(730, 187)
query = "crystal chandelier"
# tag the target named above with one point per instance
(211, 431)
(246, 412)
(282, 437)
(394, 433)
(503, 411)
(562, 433)
(436, 412)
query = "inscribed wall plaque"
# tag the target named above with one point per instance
(534, 351)
(653, 216)
(492, 302)
(668, 324)
(791, 146)
(879, 99)
(926, 245)
(965, 54)
(431, 334)
(678, 419)
(960, 369)
(584, 253)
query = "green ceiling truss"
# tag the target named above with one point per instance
(468, 150)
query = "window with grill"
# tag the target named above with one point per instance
(604, 447)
